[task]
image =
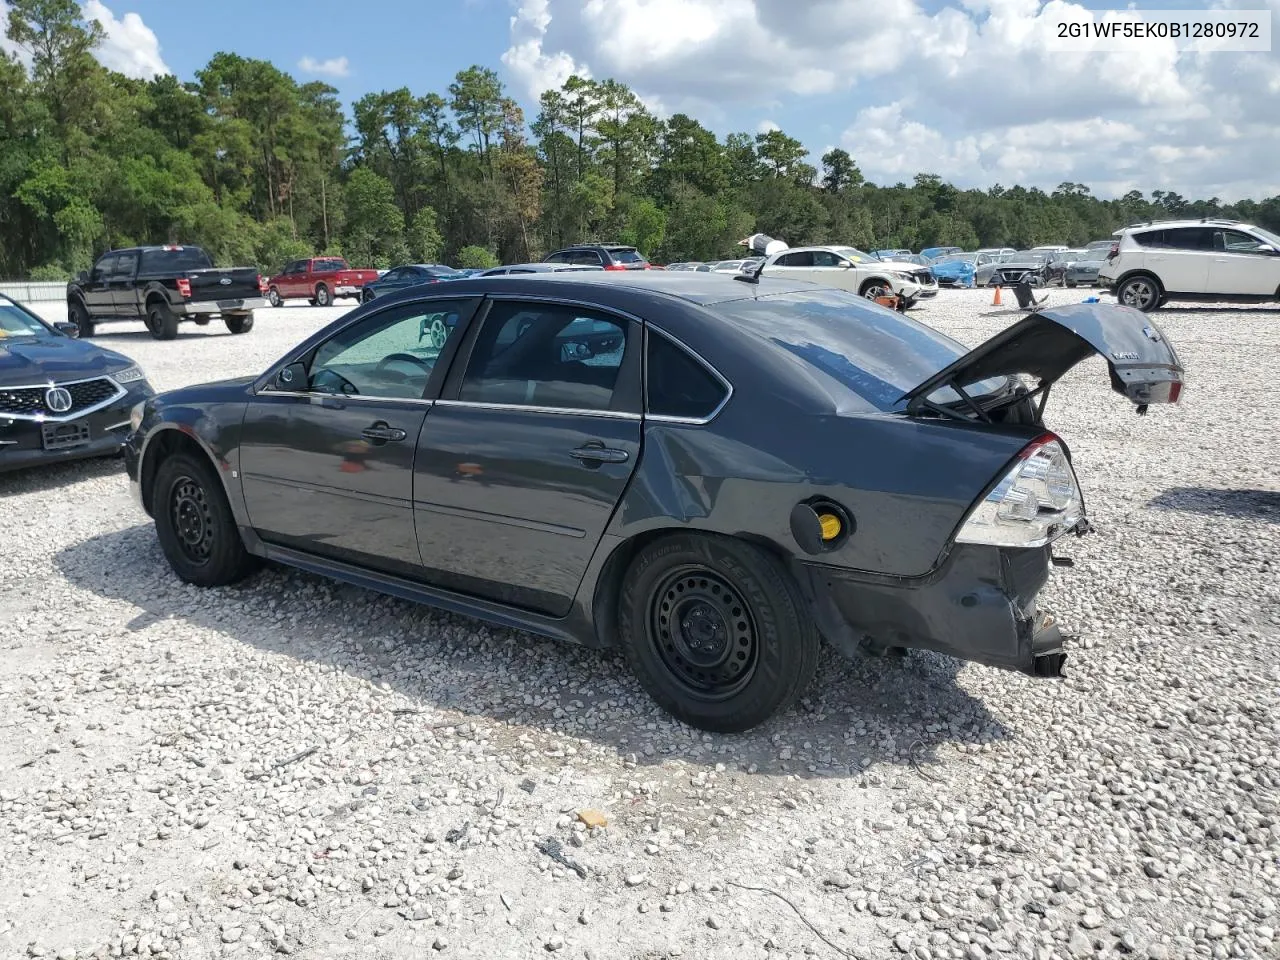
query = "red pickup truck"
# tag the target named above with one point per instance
(319, 281)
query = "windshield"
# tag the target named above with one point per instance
(17, 322)
(854, 254)
(1268, 236)
(174, 260)
(625, 254)
(957, 258)
(876, 354)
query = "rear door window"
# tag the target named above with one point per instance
(546, 355)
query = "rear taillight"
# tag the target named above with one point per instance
(615, 266)
(262, 285)
(1034, 503)
(184, 288)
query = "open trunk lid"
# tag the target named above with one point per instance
(232, 283)
(1046, 344)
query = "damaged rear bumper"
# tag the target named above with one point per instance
(980, 605)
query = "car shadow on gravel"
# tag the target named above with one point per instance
(46, 477)
(1243, 504)
(894, 710)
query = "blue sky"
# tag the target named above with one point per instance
(968, 89)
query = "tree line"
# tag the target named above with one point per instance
(258, 168)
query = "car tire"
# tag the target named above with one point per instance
(161, 321)
(1068, 283)
(194, 523)
(322, 296)
(239, 322)
(716, 631)
(366, 296)
(274, 298)
(875, 288)
(1141, 291)
(78, 314)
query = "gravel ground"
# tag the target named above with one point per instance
(293, 766)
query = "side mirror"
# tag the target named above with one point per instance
(67, 329)
(82, 276)
(1268, 249)
(847, 264)
(292, 377)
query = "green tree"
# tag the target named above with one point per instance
(476, 258)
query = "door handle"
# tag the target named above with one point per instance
(596, 452)
(381, 432)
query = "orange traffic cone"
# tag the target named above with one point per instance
(996, 301)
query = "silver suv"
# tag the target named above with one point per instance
(1209, 261)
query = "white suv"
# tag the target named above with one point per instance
(848, 268)
(1198, 260)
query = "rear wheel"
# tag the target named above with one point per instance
(78, 314)
(716, 631)
(273, 295)
(1141, 291)
(366, 296)
(194, 523)
(161, 321)
(322, 296)
(238, 322)
(1068, 283)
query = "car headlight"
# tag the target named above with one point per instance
(135, 416)
(129, 375)
(901, 275)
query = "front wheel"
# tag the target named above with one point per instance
(273, 295)
(716, 631)
(194, 524)
(876, 288)
(322, 296)
(238, 322)
(1141, 292)
(1068, 283)
(366, 296)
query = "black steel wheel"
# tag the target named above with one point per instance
(716, 631)
(703, 632)
(192, 519)
(194, 523)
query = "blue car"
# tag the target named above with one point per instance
(409, 275)
(956, 269)
(933, 253)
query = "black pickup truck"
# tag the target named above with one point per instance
(162, 286)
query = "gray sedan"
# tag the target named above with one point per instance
(1084, 272)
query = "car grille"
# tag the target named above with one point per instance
(924, 276)
(1015, 275)
(30, 402)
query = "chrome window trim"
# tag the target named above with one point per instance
(359, 398)
(47, 418)
(525, 408)
(701, 361)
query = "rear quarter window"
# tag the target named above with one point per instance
(677, 384)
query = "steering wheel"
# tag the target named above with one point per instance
(386, 361)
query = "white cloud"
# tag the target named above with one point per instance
(333, 67)
(130, 46)
(969, 90)
(764, 126)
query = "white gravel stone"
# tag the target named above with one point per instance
(142, 718)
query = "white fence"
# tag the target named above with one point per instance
(30, 291)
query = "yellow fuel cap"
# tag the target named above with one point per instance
(830, 524)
